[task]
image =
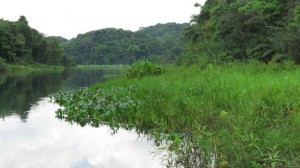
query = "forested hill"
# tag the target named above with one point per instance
(266, 30)
(21, 44)
(160, 43)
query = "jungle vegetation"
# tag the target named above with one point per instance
(21, 44)
(161, 43)
(229, 30)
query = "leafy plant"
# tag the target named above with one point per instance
(144, 68)
(93, 106)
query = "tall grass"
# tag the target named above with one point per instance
(246, 115)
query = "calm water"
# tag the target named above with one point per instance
(31, 136)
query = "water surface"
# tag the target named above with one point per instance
(31, 136)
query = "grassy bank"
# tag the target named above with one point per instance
(102, 66)
(243, 115)
(31, 67)
(21, 70)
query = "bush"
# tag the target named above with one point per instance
(2, 64)
(287, 43)
(144, 68)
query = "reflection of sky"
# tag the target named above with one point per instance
(44, 141)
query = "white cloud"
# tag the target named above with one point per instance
(44, 141)
(68, 18)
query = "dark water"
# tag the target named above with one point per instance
(31, 136)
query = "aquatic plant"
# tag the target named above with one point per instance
(95, 106)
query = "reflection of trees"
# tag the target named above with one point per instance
(18, 93)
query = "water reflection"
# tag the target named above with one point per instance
(86, 77)
(19, 92)
(44, 141)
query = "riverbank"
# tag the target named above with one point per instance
(31, 67)
(119, 66)
(23, 70)
(236, 115)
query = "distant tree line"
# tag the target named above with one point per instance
(226, 30)
(19, 43)
(161, 43)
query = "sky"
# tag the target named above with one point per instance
(68, 18)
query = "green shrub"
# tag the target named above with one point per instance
(144, 68)
(2, 64)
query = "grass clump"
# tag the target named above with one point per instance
(235, 115)
(144, 68)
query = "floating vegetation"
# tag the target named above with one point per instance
(95, 106)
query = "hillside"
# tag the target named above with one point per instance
(160, 43)
(244, 30)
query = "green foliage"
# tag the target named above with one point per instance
(20, 44)
(160, 43)
(94, 106)
(144, 68)
(242, 113)
(2, 64)
(244, 30)
(269, 10)
(297, 13)
(287, 42)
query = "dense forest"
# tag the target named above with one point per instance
(224, 31)
(227, 30)
(160, 43)
(21, 44)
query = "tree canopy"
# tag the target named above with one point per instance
(266, 30)
(19, 43)
(160, 43)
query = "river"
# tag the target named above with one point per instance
(32, 137)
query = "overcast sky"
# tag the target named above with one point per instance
(67, 18)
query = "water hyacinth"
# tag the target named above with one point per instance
(93, 106)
